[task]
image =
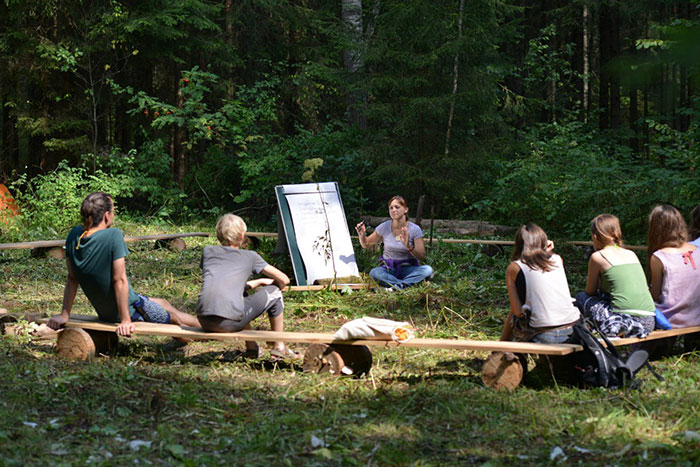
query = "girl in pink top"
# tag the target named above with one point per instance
(675, 268)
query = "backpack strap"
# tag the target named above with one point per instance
(651, 368)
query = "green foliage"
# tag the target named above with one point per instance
(547, 74)
(50, 203)
(572, 173)
(228, 125)
(327, 155)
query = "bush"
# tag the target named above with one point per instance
(50, 202)
(573, 173)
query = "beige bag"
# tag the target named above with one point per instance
(363, 328)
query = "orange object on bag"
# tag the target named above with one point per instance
(8, 206)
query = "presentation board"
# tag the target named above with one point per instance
(317, 231)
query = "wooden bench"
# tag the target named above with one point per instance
(85, 336)
(654, 336)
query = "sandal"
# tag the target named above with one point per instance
(285, 353)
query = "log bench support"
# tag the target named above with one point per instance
(81, 344)
(338, 359)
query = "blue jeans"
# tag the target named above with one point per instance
(555, 336)
(405, 277)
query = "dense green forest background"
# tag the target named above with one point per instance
(510, 111)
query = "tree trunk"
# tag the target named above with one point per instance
(634, 117)
(228, 39)
(604, 56)
(351, 11)
(177, 146)
(614, 78)
(586, 65)
(455, 79)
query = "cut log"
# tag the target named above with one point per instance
(338, 360)
(57, 252)
(174, 244)
(177, 244)
(502, 370)
(81, 344)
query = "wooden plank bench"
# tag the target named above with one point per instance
(654, 336)
(85, 336)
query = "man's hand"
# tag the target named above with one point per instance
(57, 322)
(125, 328)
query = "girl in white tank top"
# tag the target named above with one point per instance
(537, 284)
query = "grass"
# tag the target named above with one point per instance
(198, 405)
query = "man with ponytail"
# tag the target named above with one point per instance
(95, 256)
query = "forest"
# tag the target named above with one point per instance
(502, 111)
(508, 111)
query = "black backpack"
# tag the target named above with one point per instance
(600, 365)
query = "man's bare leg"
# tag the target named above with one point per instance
(176, 316)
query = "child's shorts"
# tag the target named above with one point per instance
(153, 311)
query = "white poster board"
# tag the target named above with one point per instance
(320, 230)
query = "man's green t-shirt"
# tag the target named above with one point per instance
(92, 265)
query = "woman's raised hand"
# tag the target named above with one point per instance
(361, 229)
(404, 237)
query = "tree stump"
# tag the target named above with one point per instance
(79, 344)
(502, 370)
(7, 321)
(175, 244)
(338, 360)
(57, 253)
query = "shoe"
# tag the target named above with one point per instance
(286, 353)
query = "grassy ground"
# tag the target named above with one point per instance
(153, 404)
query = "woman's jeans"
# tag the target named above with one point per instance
(555, 336)
(406, 276)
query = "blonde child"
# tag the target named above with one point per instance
(222, 306)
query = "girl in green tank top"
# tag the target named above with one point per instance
(617, 297)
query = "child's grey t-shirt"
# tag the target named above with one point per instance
(225, 271)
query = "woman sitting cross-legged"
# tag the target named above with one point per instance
(541, 307)
(222, 306)
(403, 248)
